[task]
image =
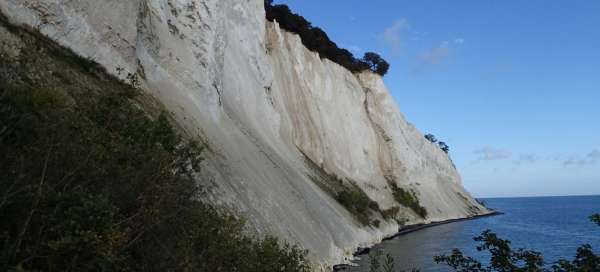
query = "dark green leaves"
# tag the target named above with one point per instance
(93, 179)
(315, 39)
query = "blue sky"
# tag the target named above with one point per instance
(512, 86)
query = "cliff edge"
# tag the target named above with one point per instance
(299, 146)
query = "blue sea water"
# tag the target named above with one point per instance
(555, 226)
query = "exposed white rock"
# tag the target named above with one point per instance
(268, 108)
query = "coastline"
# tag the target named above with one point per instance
(416, 227)
(410, 229)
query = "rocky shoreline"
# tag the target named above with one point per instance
(410, 229)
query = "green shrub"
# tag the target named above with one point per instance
(502, 258)
(315, 39)
(109, 188)
(595, 218)
(442, 145)
(373, 205)
(357, 202)
(408, 199)
(390, 213)
(91, 182)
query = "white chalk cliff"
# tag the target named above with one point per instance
(275, 115)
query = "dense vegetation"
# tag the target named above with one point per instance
(358, 203)
(315, 39)
(408, 199)
(91, 182)
(352, 197)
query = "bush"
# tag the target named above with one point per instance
(408, 199)
(111, 189)
(91, 182)
(358, 203)
(390, 213)
(376, 264)
(504, 258)
(431, 138)
(376, 63)
(442, 145)
(315, 39)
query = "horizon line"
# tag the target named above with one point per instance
(537, 196)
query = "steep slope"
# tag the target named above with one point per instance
(289, 132)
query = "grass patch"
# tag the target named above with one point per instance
(347, 193)
(390, 213)
(408, 199)
(356, 201)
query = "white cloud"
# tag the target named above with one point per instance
(436, 55)
(589, 159)
(392, 35)
(431, 58)
(491, 154)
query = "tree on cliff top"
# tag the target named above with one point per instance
(431, 138)
(315, 39)
(444, 147)
(376, 63)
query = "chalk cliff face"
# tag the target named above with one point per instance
(279, 121)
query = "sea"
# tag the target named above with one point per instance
(554, 226)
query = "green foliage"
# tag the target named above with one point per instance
(104, 187)
(87, 64)
(358, 203)
(595, 218)
(375, 260)
(376, 63)
(408, 199)
(443, 146)
(91, 182)
(585, 260)
(315, 39)
(379, 263)
(390, 213)
(347, 193)
(504, 259)
(81, 233)
(459, 262)
(431, 138)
